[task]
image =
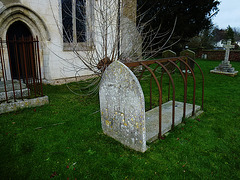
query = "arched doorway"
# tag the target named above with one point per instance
(17, 52)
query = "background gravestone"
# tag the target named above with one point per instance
(122, 106)
(169, 54)
(190, 54)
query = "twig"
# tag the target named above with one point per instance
(49, 125)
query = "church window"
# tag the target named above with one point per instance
(74, 22)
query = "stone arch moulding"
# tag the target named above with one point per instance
(18, 12)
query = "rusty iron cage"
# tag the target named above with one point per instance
(168, 66)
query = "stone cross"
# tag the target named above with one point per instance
(228, 46)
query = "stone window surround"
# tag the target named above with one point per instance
(80, 46)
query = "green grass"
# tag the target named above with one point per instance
(70, 141)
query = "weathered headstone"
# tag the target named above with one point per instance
(122, 106)
(190, 54)
(225, 67)
(169, 54)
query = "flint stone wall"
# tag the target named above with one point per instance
(122, 107)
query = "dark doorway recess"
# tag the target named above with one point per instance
(21, 54)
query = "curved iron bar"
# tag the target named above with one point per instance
(160, 100)
(173, 86)
(151, 86)
(185, 88)
(202, 79)
(141, 75)
(194, 83)
(168, 85)
(162, 79)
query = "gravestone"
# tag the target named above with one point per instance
(190, 54)
(225, 67)
(169, 54)
(122, 106)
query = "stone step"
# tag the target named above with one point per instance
(9, 85)
(10, 94)
(152, 118)
(9, 88)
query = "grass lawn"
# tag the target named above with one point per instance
(64, 140)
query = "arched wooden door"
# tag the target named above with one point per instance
(21, 54)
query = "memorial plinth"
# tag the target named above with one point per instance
(225, 67)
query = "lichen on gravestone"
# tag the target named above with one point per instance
(122, 107)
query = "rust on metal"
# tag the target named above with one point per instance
(160, 99)
(165, 65)
(202, 79)
(173, 86)
(185, 88)
(194, 82)
(23, 67)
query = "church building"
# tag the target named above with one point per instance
(70, 33)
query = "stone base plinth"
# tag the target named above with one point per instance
(152, 118)
(232, 74)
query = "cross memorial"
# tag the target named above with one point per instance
(225, 67)
(228, 46)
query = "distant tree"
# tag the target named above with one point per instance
(230, 34)
(236, 33)
(204, 39)
(192, 16)
(195, 42)
(218, 34)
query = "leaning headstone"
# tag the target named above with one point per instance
(190, 54)
(122, 106)
(225, 67)
(169, 54)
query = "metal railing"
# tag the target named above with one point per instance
(164, 64)
(20, 69)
